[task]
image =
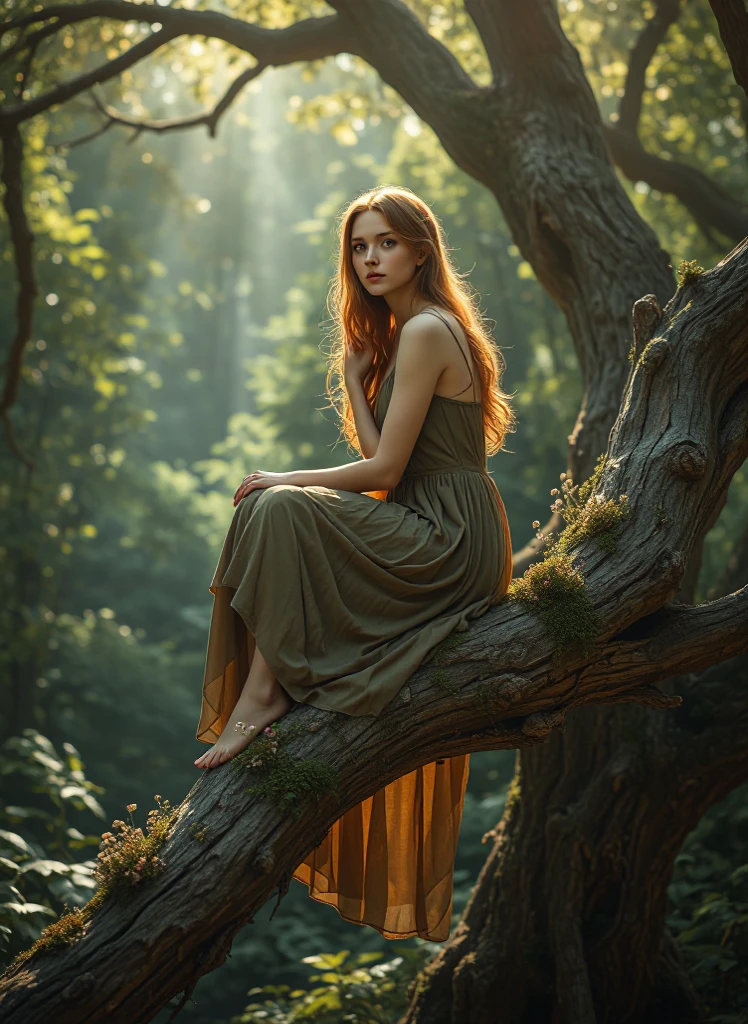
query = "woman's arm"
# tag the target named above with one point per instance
(421, 359)
(366, 427)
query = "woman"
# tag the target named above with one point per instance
(327, 595)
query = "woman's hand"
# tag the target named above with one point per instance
(257, 481)
(357, 362)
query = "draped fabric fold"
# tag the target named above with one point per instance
(389, 861)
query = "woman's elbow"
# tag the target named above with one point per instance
(391, 477)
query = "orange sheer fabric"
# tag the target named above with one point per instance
(389, 861)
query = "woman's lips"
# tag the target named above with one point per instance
(373, 277)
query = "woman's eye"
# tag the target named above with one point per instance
(360, 245)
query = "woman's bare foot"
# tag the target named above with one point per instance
(262, 702)
(251, 712)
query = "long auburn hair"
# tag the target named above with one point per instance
(360, 319)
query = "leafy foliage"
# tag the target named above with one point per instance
(709, 908)
(365, 988)
(39, 870)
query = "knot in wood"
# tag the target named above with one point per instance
(542, 723)
(516, 653)
(653, 354)
(687, 460)
(264, 860)
(645, 314)
(78, 987)
(511, 688)
(672, 567)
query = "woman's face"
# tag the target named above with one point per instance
(376, 250)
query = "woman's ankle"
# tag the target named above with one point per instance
(264, 695)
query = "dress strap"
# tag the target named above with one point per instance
(427, 309)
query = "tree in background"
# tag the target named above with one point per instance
(569, 909)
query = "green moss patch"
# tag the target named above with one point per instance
(198, 831)
(555, 588)
(59, 935)
(588, 514)
(281, 778)
(688, 271)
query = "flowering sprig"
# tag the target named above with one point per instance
(271, 748)
(554, 587)
(128, 855)
(585, 513)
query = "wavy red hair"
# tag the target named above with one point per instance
(360, 318)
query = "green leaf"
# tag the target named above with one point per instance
(9, 868)
(28, 908)
(45, 868)
(12, 839)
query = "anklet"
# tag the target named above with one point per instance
(243, 727)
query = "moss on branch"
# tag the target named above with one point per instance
(554, 588)
(281, 778)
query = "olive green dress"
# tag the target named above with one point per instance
(346, 595)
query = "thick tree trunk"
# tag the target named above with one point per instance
(568, 912)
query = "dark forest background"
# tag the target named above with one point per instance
(179, 343)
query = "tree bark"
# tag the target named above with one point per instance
(732, 19)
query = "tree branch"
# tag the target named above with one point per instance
(709, 204)
(732, 19)
(209, 118)
(653, 33)
(390, 37)
(673, 640)
(706, 201)
(22, 241)
(305, 40)
(310, 39)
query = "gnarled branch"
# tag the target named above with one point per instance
(732, 19)
(210, 118)
(707, 202)
(654, 31)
